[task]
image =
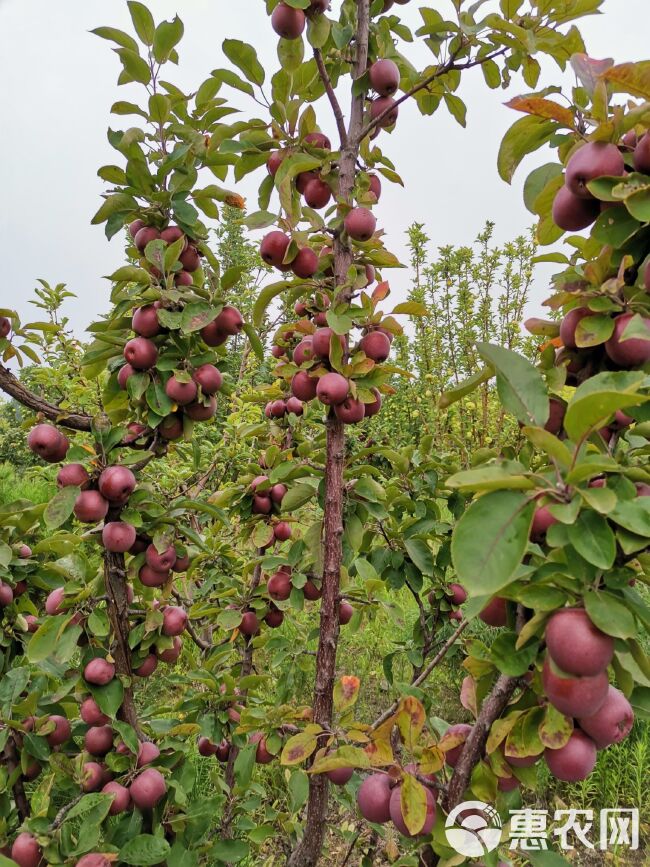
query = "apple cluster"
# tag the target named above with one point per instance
(191, 388)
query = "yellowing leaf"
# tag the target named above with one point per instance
(346, 692)
(410, 718)
(298, 748)
(431, 760)
(344, 757)
(542, 108)
(413, 799)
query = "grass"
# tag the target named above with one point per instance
(30, 484)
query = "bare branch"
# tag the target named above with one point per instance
(14, 388)
(331, 95)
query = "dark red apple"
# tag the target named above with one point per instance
(73, 475)
(628, 352)
(346, 612)
(576, 645)
(91, 713)
(574, 696)
(612, 723)
(98, 740)
(148, 789)
(180, 393)
(121, 798)
(118, 536)
(145, 321)
(395, 809)
(208, 377)
(384, 104)
(360, 224)
(495, 612)
(90, 507)
(593, 160)
(99, 671)
(332, 388)
(275, 245)
(141, 353)
(304, 386)
(288, 22)
(384, 77)
(117, 484)
(373, 798)
(305, 264)
(350, 411)
(174, 620)
(575, 760)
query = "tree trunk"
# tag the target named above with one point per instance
(308, 851)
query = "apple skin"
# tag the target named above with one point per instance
(592, 160)
(62, 731)
(5, 327)
(116, 484)
(174, 620)
(223, 751)
(376, 346)
(147, 666)
(303, 352)
(395, 808)
(141, 353)
(452, 755)
(557, 411)
(576, 645)
(321, 341)
(249, 625)
(275, 160)
(304, 386)
(262, 504)
(310, 591)
(340, 776)
(172, 653)
(631, 352)
(288, 22)
(523, 761)
(575, 760)
(384, 77)
(375, 188)
(148, 789)
(295, 406)
(6, 595)
(148, 752)
(99, 671)
(332, 388)
(305, 264)
(279, 586)
(457, 594)
(73, 475)
(318, 140)
(379, 106)
(53, 602)
(574, 696)
(118, 537)
(571, 213)
(317, 193)
(181, 393)
(161, 561)
(360, 224)
(190, 259)
(48, 443)
(26, 852)
(262, 755)
(206, 748)
(145, 321)
(123, 375)
(144, 236)
(612, 723)
(282, 531)
(90, 507)
(495, 612)
(570, 323)
(121, 798)
(212, 335)
(542, 520)
(374, 407)
(98, 740)
(346, 612)
(152, 577)
(201, 412)
(230, 321)
(91, 713)
(274, 247)
(350, 411)
(209, 378)
(274, 618)
(373, 798)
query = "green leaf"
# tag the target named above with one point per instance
(420, 554)
(116, 35)
(609, 614)
(230, 851)
(520, 385)
(60, 507)
(491, 477)
(142, 21)
(266, 295)
(297, 496)
(525, 136)
(594, 330)
(598, 398)
(537, 181)
(109, 697)
(135, 66)
(145, 849)
(244, 56)
(43, 642)
(634, 515)
(550, 444)
(168, 34)
(593, 539)
(490, 540)
(466, 387)
(159, 108)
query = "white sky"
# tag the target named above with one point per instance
(58, 82)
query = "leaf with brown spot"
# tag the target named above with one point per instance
(346, 692)
(555, 729)
(449, 741)
(468, 695)
(379, 752)
(413, 799)
(431, 760)
(500, 729)
(410, 718)
(344, 757)
(523, 740)
(298, 748)
(631, 78)
(543, 108)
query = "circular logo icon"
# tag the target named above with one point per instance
(473, 828)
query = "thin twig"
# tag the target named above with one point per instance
(331, 95)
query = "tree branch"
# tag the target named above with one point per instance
(437, 659)
(449, 66)
(14, 388)
(331, 95)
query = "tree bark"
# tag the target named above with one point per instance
(14, 388)
(118, 613)
(308, 851)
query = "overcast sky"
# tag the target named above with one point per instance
(58, 82)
